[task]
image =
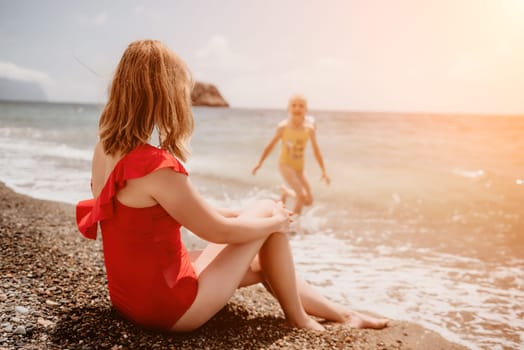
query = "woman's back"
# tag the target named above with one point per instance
(150, 277)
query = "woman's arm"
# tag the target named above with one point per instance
(175, 193)
(227, 213)
(98, 171)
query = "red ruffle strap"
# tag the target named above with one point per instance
(84, 218)
(138, 163)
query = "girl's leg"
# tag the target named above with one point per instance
(286, 192)
(226, 267)
(308, 197)
(291, 178)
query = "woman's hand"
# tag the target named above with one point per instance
(285, 215)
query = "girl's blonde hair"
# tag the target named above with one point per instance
(297, 97)
(151, 86)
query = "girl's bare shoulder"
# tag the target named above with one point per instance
(310, 127)
(283, 123)
(309, 123)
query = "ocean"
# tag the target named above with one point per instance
(423, 220)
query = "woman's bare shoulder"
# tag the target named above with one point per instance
(97, 169)
(101, 167)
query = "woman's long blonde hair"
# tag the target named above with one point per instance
(151, 86)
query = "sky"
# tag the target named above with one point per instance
(435, 56)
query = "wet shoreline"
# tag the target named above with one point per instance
(53, 295)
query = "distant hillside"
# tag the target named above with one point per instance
(17, 90)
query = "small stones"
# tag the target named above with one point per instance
(21, 310)
(45, 323)
(7, 327)
(20, 330)
(51, 302)
(53, 295)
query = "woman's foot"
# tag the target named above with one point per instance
(308, 323)
(358, 320)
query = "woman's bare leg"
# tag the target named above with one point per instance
(317, 305)
(314, 303)
(216, 282)
(226, 267)
(278, 267)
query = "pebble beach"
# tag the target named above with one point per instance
(53, 296)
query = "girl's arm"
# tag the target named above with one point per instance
(269, 147)
(318, 156)
(175, 193)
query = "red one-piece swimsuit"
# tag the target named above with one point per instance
(150, 278)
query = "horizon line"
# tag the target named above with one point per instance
(312, 110)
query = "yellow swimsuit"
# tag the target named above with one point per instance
(293, 145)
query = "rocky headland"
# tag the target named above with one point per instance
(205, 94)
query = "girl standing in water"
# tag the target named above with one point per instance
(293, 134)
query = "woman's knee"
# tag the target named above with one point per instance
(275, 242)
(278, 236)
(259, 208)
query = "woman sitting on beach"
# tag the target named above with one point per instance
(142, 196)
